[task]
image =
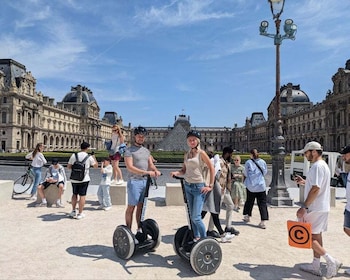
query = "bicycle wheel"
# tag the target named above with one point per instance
(22, 184)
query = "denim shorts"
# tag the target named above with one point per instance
(347, 219)
(136, 191)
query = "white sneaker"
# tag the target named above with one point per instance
(227, 237)
(119, 182)
(73, 214)
(42, 204)
(107, 208)
(246, 218)
(59, 204)
(311, 269)
(113, 182)
(80, 216)
(33, 197)
(262, 225)
(332, 268)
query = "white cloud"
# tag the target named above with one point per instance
(181, 13)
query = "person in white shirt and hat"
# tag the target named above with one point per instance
(316, 207)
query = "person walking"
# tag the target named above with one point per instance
(196, 188)
(117, 140)
(212, 203)
(345, 152)
(316, 207)
(139, 162)
(254, 171)
(225, 183)
(103, 195)
(56, 175)
(80, 186)
(238, 189)
(342, 169)
(38, 161)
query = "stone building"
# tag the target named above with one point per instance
(29, 117)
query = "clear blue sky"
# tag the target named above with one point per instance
(154, 59)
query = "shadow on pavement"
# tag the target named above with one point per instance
(138, 260)
(53, 217)
(259, 272)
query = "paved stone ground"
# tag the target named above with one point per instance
(44, 243)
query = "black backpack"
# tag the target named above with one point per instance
(78, 169)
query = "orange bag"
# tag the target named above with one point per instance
(299, 234)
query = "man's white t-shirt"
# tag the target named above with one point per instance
(319, 175)
(89, 162)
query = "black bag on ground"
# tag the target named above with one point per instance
(78, 169)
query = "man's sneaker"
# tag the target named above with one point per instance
(107, 208)
(73, 214)
(246, 218)
(311, 269)
(80, 216)
(33, 197)
(59, 205)
(213, 233)
(227, 237)
(332, 268)
(101, 207)
(42, 204)
(232, 230)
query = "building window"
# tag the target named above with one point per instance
(3, 117)
(4, 100)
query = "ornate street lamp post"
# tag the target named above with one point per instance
(278, 194)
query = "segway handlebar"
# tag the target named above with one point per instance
(179, 178)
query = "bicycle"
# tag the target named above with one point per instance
(23, 183)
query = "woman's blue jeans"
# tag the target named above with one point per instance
(37, 179)
(195, 201)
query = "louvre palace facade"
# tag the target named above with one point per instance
(29, 117)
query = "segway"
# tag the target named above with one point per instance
(124, 241)
(204, 255)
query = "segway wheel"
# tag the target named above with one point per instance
(182, 240)
(206, 256)
(150, 228)
(123, 242)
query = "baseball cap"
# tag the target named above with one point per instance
(345, 150)
(313, 145)
(194, 133)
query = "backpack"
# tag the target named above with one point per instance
(78, 169)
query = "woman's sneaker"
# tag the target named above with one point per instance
(246, 218)
(226, 237)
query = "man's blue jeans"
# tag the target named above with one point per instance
(195, 200)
